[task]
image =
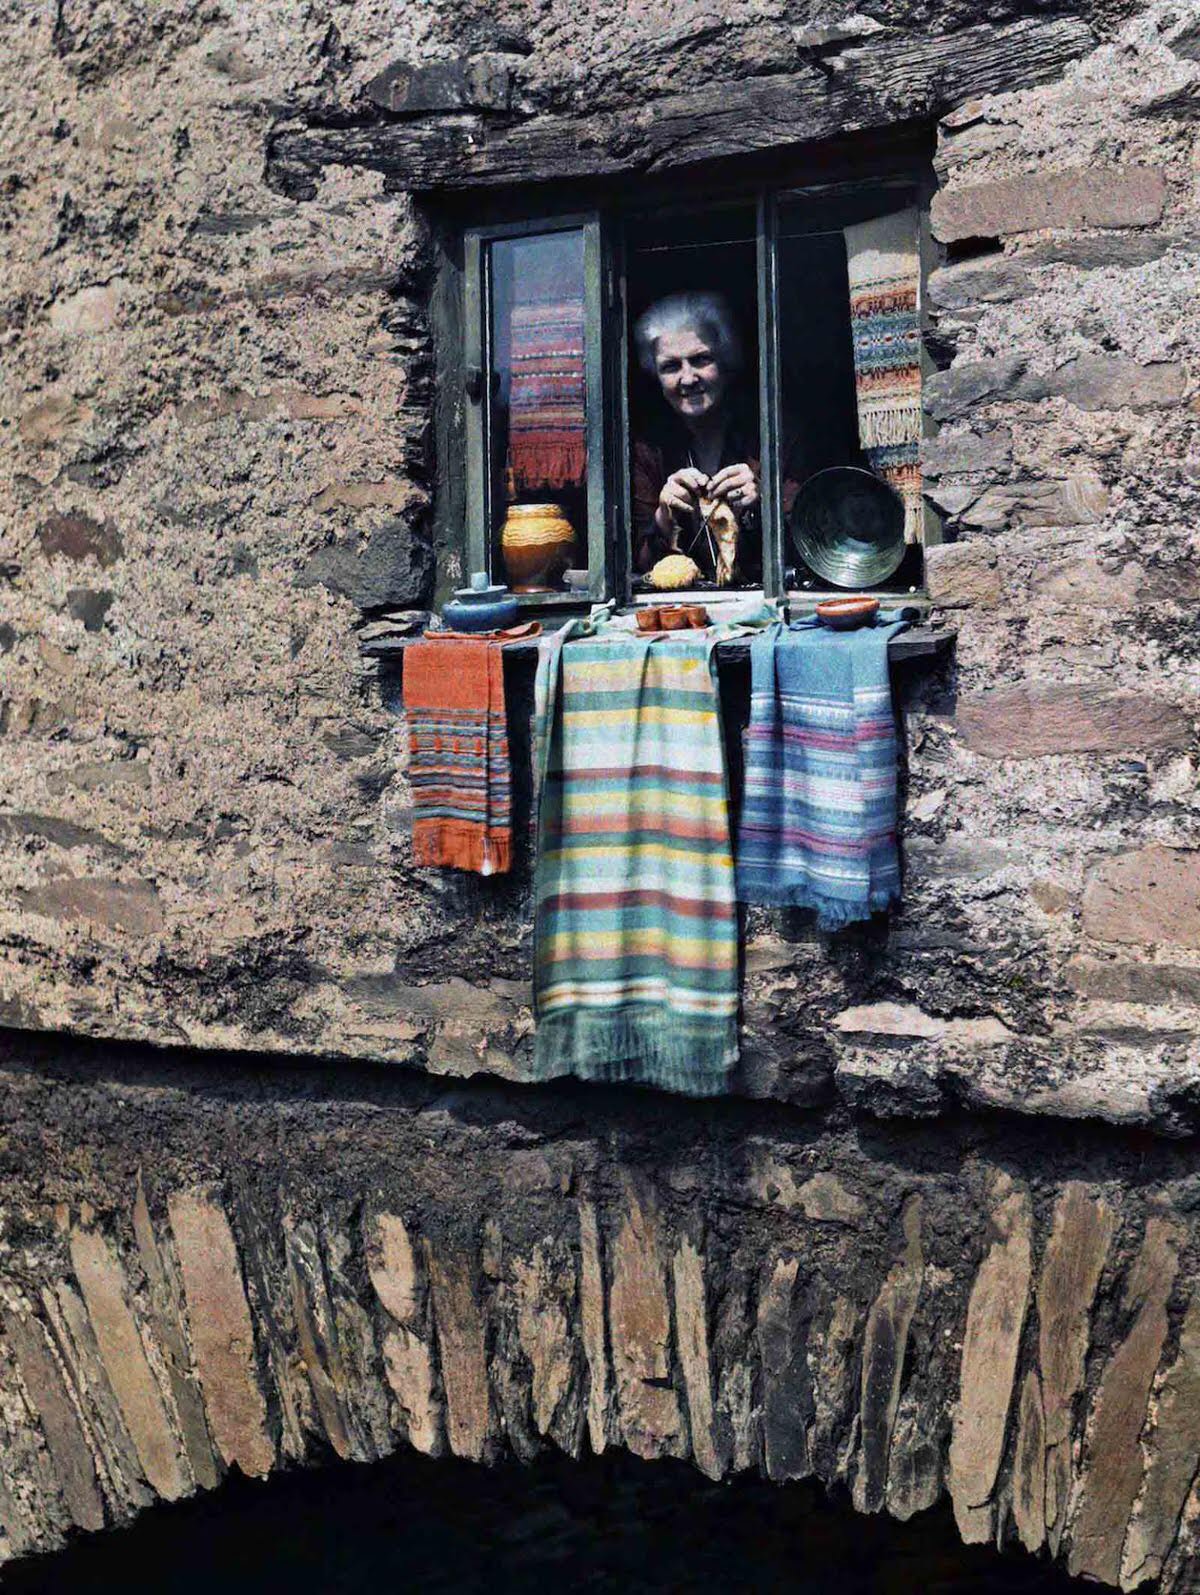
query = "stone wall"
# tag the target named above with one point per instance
(306, 1268)
(217, 460)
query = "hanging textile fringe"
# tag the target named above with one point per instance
(884, 271)
(818, 824)
(636, 941)
(458, 753)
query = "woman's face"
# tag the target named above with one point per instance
(692, 381)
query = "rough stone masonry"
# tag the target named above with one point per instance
(217, 469)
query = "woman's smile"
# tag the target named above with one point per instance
(692, 381)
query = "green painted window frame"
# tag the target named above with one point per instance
(609, 508)
(477, 367)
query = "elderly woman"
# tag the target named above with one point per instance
(708, 447)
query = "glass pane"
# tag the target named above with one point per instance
(850, 390)
(693, 388)
(538, 410)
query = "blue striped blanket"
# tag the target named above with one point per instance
(818, 823)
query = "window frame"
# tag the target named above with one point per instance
(476, 365)
(610, 519)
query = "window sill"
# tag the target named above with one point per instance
(918, 642)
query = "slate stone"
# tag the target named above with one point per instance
(1109, 382)
(461, 1342)
(885, 1342)
(1094, 251)
(991, 1342)
(1114, 1474)
(992, 280)
(955, 392)
(221, 1331)
(78, 537)
(960, 575)
(60, 833)
(640, 1329)
(106, 1295)
(468, 83)
(965, 452)
(1033, 719)
(1082, 1230)
(73, 1461)
(131, 906)
(395, 569)
(1087, 196)
(783, 1318)
(1152, 895)
(88, 606)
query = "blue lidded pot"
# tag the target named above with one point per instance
(481, 607)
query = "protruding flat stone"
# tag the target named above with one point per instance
(1086, 196)
(640, 1324)
(1113, 1476)
(883, 1350)
(691, 1329)
(463, 1353)
(1081, 1232)
(1152, 895)
(105, 1293)
(221, 1332)
(995, 1319)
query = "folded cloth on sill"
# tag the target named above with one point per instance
(458, 766)
(547, 438)
(884, 270)
(636, 946)
(818, 822)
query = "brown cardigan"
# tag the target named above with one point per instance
(654, 462)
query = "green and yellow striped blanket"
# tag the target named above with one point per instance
(636, 947)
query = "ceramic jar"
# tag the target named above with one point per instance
(537, 543)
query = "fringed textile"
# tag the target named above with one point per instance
(818, 823)
(458, 765)
(547, 436)
(636, 947)
(884, 269)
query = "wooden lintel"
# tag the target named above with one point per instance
(882, 82)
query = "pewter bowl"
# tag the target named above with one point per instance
(848, 526)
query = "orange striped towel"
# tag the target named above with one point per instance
(458, 750)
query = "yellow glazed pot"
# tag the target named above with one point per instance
(537, 543)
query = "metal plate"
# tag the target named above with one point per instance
(848, 527)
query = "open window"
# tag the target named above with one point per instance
(735, 378)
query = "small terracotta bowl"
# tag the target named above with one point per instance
(675, 619)
(697, 615)
(648, 619)
(843, 614)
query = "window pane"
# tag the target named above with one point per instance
(850, 389)
(693, 389)
(538, 409)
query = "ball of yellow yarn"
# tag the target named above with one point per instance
(674, 570)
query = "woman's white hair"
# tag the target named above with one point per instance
(701, 311)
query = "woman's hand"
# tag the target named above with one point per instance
(737, 485)
(680, 492)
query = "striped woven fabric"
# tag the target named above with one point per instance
(636, 949)
(884, 271)
(818, 823)
(458, 766)
(547, 407)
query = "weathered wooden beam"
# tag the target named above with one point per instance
(919, 642)
(882, 82)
